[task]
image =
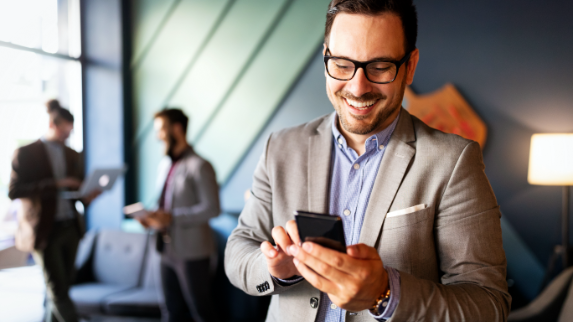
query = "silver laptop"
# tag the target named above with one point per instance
(99, 179)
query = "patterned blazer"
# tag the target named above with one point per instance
(449, 254)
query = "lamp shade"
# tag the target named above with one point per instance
(551, 159)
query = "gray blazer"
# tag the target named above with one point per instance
(193, 199)
(450, 256)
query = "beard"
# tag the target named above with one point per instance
(363, 128)
(170, 145)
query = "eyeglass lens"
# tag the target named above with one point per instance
(379, 72)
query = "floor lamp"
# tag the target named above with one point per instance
(551, 164)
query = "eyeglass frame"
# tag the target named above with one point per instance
(359, 64)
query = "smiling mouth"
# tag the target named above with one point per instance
(360, 106)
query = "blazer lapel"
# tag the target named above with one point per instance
(318, 165)
(392, 169)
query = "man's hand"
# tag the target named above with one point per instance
(69, 182)
(279, 261)
(353, 281)
(158, 220)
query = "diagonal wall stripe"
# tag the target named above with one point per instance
(263, 86)
(243, 70)
(200, 50)
(178, 41)
(150, 18)
(149, 125)
(224, 60)
(267, 128)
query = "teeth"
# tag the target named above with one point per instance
(360, 105)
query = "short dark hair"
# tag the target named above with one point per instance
(58, 113)
(174, 115)
(404, 9)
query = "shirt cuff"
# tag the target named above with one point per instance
(289, 281)
(394, 281)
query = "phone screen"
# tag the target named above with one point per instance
(325, 230)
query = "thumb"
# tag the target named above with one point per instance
(362, 251)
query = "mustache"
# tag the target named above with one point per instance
(364, 98)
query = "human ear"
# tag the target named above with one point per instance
(411, 66)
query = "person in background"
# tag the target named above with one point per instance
(189, 198)
(49, 226)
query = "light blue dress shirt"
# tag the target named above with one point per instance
(351, 183)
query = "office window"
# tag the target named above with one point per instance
(39, 60)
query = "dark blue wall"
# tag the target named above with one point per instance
(512, 62)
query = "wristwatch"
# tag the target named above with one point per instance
(381, 303)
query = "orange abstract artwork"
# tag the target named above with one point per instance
(446, 110)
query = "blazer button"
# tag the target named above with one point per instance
(314, 302)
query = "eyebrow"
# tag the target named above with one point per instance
(381, 58)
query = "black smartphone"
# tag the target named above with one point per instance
(325, 230)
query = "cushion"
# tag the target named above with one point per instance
(119, 257)
(90, 296)
(138, 302)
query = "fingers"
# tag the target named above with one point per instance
(151, 214)
(321, 266)
(362, 251)
(280, 264)
(268, 250)
(315, 279)
(281, 238)
(292, 230)
(340, 261)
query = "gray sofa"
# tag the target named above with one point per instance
(143, 300)
(117, 275)
(555, 303)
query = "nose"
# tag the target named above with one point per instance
(359, 84)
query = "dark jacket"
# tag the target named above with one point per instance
(32, 181)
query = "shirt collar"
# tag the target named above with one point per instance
(380, 138)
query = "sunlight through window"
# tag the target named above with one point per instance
(39, 50)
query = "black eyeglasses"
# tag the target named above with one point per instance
(376, 71)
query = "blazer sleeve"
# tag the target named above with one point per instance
(205, 184)
(22, 184)
(471, 257)
(245, 264)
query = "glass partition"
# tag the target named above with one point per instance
(39, 50)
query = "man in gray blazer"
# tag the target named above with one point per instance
(189, 198)
(417, 208)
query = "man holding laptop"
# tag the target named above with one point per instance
(189, 198)
(418, 214)
(48, 224)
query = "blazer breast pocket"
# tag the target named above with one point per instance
(408, 219)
